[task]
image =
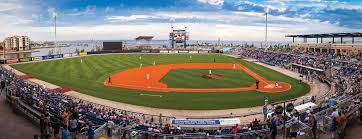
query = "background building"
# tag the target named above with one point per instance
(1, 45)
(144, 42)
(19, 43)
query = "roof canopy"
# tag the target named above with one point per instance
(327, 35)
(144, 38)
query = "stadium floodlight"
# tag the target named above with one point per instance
(54, 15)
(172, 20)
(266, 10)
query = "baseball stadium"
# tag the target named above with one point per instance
(141, 78)
(176, 81)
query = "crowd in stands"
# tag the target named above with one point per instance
(60, 113)
(346, 73)
(64, 117)
(346, 69)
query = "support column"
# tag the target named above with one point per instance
(341, 40)
(352, 40)
(321, 39)
(332, 39)
(317, 40)
(293, 39)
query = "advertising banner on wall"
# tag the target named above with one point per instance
(48, 57)
(37, 58)
(58, 56)
(27, 59)
(93, 53)
(194, 52)
(205, 122)
(82, 53)
(173, 51)
(11, 61)
(183, 51)
(203, 52)
(75, 54)
(67, 55)
(145, 51)
(155, 51)
(164, 51)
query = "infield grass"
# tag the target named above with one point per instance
(87, 77)
(192, 78)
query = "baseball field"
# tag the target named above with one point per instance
(105, 76)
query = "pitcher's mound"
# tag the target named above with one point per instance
(212, 76)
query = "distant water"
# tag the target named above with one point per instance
(89, 45)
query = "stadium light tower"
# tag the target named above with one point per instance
(54, 14)
(266, 10)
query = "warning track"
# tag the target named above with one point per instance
(135, 78)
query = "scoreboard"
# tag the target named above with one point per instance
(112, 45)
(179, 36)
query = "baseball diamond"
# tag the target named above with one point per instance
(135, 79)
(90, 75)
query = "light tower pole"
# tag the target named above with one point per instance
(172, 20)
(55, 31)
(266, 10)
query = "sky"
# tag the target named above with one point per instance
(205, 19)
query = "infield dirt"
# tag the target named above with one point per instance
(148, 78)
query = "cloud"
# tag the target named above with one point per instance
(89, 10)
(129, 18)
(347, 6)
(198, 31)
(212, 2)
(206, 19)
(108, 9)
(9, 6)
(52, 12)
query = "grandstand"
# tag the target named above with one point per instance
(328, 43)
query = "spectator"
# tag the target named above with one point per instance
(266, 102)
(341, 118)
(334, 113)
(334, 127)
(47, 126)
(65, 116)
(65, 132)
(73, 128)
(312, 122)
(42, 125)
(265, 111)
(90, 132)
(332, 102)
(273, 127)
(360, 113)
(56, 128)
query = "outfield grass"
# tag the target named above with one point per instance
(192, 78)
(87, 78)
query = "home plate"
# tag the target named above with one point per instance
(150, 95)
